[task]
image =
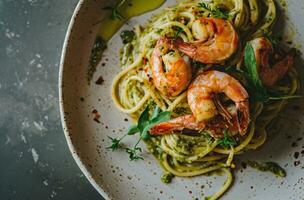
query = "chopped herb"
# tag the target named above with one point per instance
(268, 166)
(179, 31)
(216, 12)
(167, 177)
(127, 36)
(227, 141)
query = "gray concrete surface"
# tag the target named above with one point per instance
(35, 162)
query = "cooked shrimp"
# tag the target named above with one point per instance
(200, 100)
(178, 124)
(216, 41)
(270, 75)
(170, 71)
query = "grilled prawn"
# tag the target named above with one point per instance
(270, 74)
(170, 71)
(216, 41)
(200, 99)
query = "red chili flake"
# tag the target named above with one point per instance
(96, 116)
(99, 81)
(144, 60)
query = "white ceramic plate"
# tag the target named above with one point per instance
(112, 174)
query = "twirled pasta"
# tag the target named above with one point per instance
(133, 90)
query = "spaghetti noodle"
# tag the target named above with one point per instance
(188, 155)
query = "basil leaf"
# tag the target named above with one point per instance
(143, 119)
(162, 117)
(156, 112)
(256, 86)
(132, 130)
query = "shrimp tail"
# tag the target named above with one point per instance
(177, 124)
(243, 118)
(187, 48)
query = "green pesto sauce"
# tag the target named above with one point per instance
(167, 177)
(96, 53)
(109, 27)
(268, 167)
(130, 8)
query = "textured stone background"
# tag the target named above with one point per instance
(35, 162)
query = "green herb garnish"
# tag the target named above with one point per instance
(134, 152)
(115, 143)
(256, 87)
(178, 31)
(115, 14)
(216, 12)
(268, 167)
(143, 126)
(227, 141)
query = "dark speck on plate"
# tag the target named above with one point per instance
(294, 144)
(96, 116)
(244, 165)
(296, 155)
(99, 81)
(296, 163)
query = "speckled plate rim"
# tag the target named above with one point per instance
(63, 60)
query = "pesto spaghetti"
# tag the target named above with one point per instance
(208, 147)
